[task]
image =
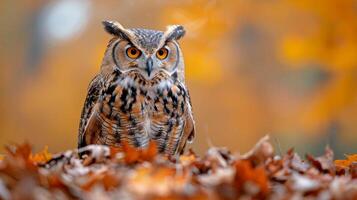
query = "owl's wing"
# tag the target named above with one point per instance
(89, 111)
(189, 129)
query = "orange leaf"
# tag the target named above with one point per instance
(133, 154)
(346, 163)
(107, 179)
(150, 153)
(245, 173)
(41, 157)
(21, 150)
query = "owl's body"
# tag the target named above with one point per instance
(139, 94)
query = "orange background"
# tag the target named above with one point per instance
(284, 68)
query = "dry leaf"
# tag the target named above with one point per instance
(103, 172)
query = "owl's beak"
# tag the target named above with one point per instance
(149, 66)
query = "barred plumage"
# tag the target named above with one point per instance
(139, 95)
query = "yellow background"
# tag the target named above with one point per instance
(285, 68)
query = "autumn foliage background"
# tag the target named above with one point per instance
(285, 68)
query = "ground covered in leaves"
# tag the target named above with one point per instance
(127, 173)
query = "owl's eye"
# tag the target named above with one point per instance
(162, 53)
(133, 52)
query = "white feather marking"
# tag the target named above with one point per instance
(147, 125)
(127, 81)
(164, 84)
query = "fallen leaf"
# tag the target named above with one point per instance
(41, 157)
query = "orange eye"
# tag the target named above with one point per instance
(133, 52)
(162, 53)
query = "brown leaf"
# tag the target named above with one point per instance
(353, 170)
(260, 152)
(297, 164)
(128, 172)
(323, 163)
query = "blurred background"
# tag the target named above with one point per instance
(287, 68)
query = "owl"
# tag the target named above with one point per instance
(139, 95)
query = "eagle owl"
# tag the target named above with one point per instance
(139, 94)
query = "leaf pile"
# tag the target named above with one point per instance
(127, 173)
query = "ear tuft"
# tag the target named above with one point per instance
(116, 29)
(174, 32)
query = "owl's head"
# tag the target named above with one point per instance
(147, 52)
